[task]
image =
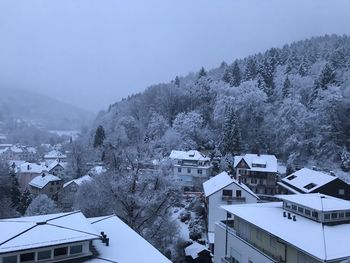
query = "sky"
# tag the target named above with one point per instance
(92, 53)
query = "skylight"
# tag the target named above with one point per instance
(291, 177)
(309, 186)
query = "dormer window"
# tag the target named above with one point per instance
(291, 177)
(310, 186)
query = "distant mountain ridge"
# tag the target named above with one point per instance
(34, 107)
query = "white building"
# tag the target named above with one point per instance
(68, 193)
(307, 228)
(70, 237)
(191, 168)
(220, 190)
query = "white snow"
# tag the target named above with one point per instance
(192, 155)
(125, 245)
(79, 181)
(59, 229)
(55, 155)
(27, 167)
(317, 201)
(306, 176)
(220, 181)
(262, 159)
(321, 241)
(194, 249)
(41, 181)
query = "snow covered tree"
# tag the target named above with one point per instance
(24, 201)
(231, 134)
(202, 73)
(345, 160)
(177, 81)
(250, 72)
(236, 75)
(41, 205)
(286, 87)
(99, 136)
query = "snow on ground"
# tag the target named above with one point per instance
(183, 227)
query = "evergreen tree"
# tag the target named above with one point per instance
(345, 160)
(236, 75)
(250, 72)
(202, 73)
(14, 191)
(286, 87)
(266, 72)
(327, 77)
(304, 68)
(177, 81)
(24, 202)
(99, 137)
(231, 134)
(227, 77)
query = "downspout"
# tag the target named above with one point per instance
(226, 234)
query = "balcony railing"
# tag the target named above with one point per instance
(226, 260)
(232, 198)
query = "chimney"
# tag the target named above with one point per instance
(289, 216)
(294, 218)
(332, 173)
(43, 175)
(314, 168)
(284, 214)
(28, 167)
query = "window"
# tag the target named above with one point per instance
(253, 180)
(227, 192)
(238, 193)
(228, 215)
(273, 242)
(189, 170)
(261, 181)
(341, 192)
(9, 259)
(27, 257)
(57, 182)
(52, 183)
(42, 255)
(291, 177)
(76, 249)
(294, 207)
(315, 214)
(61, 251)
(307, 212)
(199, 171)
(334, 215)
(51, 189)
(327, 216)
(347, 214)
(179, 170)
(288, 205)
(310, 186)
(341, 215)
(300, 209)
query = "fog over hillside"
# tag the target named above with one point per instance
(51, 113)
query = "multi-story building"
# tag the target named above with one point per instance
(223, 189)
(258, 172)
(311, 228)
(191, 168)
(70, 237)
(28, 171)
(307, 181)
(47, 184)
(58, 168)
(18, 152)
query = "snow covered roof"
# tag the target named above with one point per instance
(79, 181)
(307, 180)
(27, 167)
(41, 181)
(55, 155)
(317, 239)
(194, 249)
(220, 181)
(46, 230)
(255, 161)
(125, 246)
(97, 170)
(192, 155)
(317, 201)
(55, 163)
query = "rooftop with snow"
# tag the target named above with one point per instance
(315, 238)
(192, 155)
(258, 162)
(41, 181)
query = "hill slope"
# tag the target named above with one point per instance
(50, 112)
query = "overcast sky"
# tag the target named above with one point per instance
(94, 52)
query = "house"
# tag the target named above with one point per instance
(191, 168)
(258, 172)
(46, 183)
(311, 181)
(301, 228)
(197, 253)
(54, 155)
(70, 237)
(28, 171)
(18, 152)
(58, 168)
(223, 189)
(70, 189)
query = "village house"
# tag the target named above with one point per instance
(223, 189)
(313, 181)
(70, 237)
(258, 172)
(191, 168)
(54, 155)
(47, 184)
(26, 172)
(70, 189)
(18, 152)
(301, 228)
(58, 168)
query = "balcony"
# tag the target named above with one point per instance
(233, 199)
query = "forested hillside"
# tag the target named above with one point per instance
(292, 101)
